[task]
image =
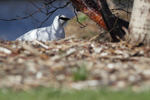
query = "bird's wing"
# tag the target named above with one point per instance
(29, 36)
(43, 34)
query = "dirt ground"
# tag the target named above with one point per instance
(75, 62)
(90, 30)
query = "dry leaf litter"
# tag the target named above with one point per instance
(24, 65)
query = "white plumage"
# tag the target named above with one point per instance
(53, 32)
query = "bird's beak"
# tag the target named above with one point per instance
(67, 18)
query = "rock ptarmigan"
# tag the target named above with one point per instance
(53, 32)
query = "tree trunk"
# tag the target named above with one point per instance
(139, 28)
(101, 14)
(111, 21)
(89, 7)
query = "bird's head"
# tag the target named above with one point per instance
(61, 19)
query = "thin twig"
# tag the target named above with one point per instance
(40, 43)
(82, 26)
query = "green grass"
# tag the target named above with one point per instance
(80, 73)
(53, 94)
(82, 18)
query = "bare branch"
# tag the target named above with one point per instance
(47, 12)
(18, 18)
(82, 26)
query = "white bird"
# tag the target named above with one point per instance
(53, 32)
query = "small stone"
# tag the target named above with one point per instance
(146, 73)
(97, 50)
(39, 75)
(5, 50)
(104, 54)
(60, 77)
(71, 50)
(110, 66)
(121, 84)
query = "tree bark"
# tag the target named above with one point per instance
(139, 28)
(112, 22)
(101, 14)
(90, 8)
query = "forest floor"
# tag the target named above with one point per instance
(75, 62)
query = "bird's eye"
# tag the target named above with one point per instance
(64, 18)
